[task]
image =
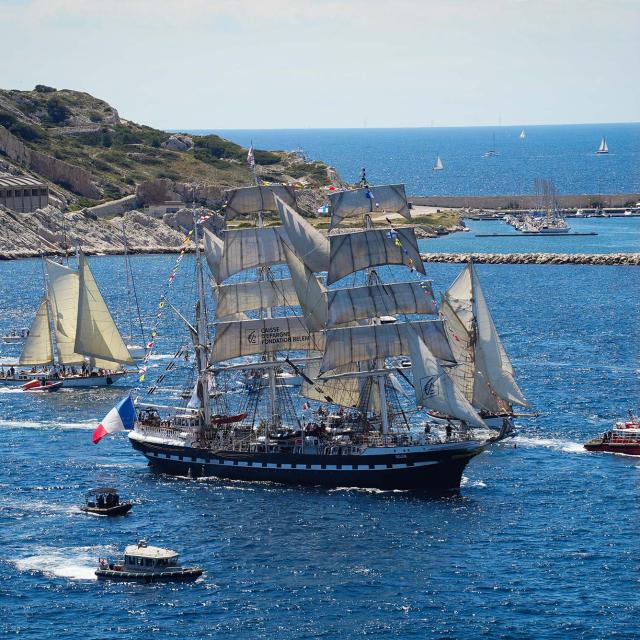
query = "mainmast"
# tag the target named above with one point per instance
(202, 331)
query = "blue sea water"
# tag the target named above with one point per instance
(539, 542)
(563, 153)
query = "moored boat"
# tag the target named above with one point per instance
(623, 438)
(144, 563)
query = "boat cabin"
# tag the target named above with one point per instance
(143, 557)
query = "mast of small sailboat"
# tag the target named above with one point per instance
(202, 331)
(131, 288)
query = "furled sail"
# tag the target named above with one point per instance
(38, 348)
(97, 334)
(373, 342)
(388, 198)
(311, 246)
(271, 335)
(64, 284)
(352, 252)
(247, 200)
(491, 357)
(311, 294)
(250, 248)
(213, 248)
(236, 298)
(434, 389)
(374, 301)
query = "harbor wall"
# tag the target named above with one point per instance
(576, 201)
(602, 259)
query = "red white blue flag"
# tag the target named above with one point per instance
(122, 417)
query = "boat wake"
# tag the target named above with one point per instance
(476, 484)
(74, 563)
(557, 444)
(32, 424)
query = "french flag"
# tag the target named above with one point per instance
(121, 417)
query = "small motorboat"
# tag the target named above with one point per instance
(144, 563)
(16, 335)
(42, 385)
(105, 501)
(623, 438)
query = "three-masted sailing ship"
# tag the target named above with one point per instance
(73, 336)
(356, 426)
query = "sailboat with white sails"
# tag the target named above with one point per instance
(483, 373)
(73, 336)
(438, 166)
(361, 432)
(522, 135)
(603, 149)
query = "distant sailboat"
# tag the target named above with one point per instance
(522, 135)
(492, 152)
(603, 148)
(438, 166)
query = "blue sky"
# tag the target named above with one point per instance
(228, 64)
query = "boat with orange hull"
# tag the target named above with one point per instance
(623, 438)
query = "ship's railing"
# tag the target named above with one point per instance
(162, 429)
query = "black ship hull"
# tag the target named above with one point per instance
(438, 468)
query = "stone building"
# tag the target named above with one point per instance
(22, 193)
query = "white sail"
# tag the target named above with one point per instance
(462, 373)
(311, 246)
(438, 166)
(344, 392)
(522, 135)
(388, 198)
(376, 342)
(359, 250)
(311, 294)
(246, 200)
(491, 357)
(64, 286)
(603, 148)
(375, 301)
(250, 248)
(236, 298)
(434, 389)
(213, 249)
(97, 334)
(38, 348)
(271, 335)
(460, 296)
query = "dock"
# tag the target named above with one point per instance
(533, 235)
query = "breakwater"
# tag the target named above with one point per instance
(609, 259)
(523, 201)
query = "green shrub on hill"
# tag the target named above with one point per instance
(23, 130)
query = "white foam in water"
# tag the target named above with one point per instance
(478, 484)
(75, 563)
(550, 443)
(30, 424)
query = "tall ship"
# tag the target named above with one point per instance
(358, 419)
(73, 337)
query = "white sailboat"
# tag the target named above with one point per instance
(522, 135)
(73, 336)
(484, 374)
(603, 148)
(492, 153)
(438, 166)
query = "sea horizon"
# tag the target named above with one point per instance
(563, 153)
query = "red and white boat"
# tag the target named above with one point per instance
(623, 438)
(42, 386)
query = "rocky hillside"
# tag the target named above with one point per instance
(88, 153)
